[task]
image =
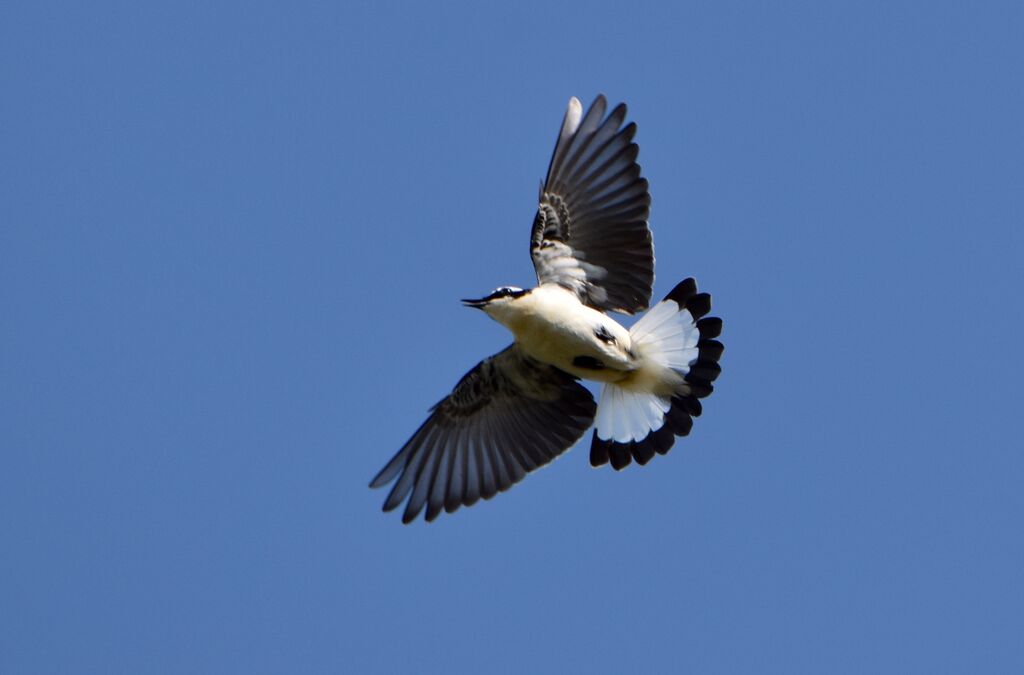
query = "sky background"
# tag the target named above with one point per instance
(232, 241)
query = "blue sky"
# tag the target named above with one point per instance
(232, 241)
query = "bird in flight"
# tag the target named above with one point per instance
(522, 407)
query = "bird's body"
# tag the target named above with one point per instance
(519, 409)
(551, 325)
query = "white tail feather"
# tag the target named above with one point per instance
(667, 338)
(625, 416)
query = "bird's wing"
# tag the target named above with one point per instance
(506, 417)
(590, 234)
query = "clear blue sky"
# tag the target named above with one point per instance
(232, 241)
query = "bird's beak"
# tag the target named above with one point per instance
(479, 304)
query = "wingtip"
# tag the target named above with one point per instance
(410, 514)
(573, 115)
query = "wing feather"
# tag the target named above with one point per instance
(505, 418)
(590, 234)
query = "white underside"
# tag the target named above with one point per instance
(666, 337)
(553, 326)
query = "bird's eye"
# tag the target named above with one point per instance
(504, 292)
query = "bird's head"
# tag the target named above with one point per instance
(498, 303)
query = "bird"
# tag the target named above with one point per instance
(519, 409)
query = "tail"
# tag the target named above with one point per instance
(676, 341)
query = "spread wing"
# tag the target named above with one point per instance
(506, 417)
(590, 234)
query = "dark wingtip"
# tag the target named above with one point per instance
(433, 512)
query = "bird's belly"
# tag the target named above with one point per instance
(572, 346)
